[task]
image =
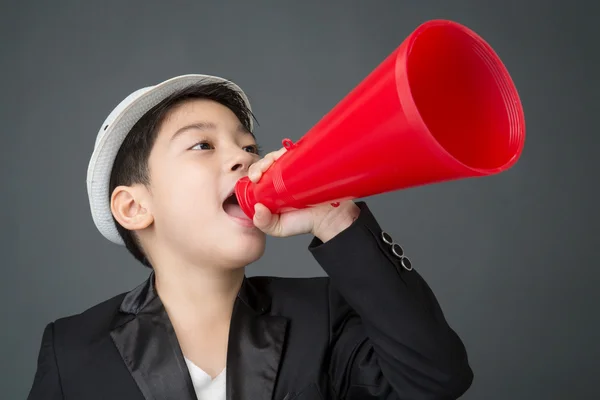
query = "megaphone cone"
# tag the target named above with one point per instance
(441, 107)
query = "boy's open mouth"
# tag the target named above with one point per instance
(232, 207)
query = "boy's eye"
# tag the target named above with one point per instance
(253, 149)
(202, 146)
(208, 146)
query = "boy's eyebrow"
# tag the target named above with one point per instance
(203, 126)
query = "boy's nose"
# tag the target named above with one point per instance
(241, 161)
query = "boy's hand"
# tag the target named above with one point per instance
(323, 221)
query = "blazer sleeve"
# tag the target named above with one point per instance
(46, 383)
(388, 336)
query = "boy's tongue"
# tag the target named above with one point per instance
(234, 210)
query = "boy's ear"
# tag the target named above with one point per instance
(130, 205)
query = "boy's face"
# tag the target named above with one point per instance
(200, 152)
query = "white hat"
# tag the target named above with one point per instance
(112, 133)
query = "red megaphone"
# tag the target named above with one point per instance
(441, 107)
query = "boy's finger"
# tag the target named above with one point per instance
(279, 152)
(257, 169)
(263, 219)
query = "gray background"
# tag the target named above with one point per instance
(512, 258)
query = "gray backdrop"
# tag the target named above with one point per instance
(510, 257)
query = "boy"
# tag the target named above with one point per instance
(160, 182)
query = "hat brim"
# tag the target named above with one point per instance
(112, 134)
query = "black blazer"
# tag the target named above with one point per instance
(370, 330)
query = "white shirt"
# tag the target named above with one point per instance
(206, 388)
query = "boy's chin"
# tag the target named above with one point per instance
(243, 252)
(235, 261)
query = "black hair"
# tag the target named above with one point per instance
(131, 163)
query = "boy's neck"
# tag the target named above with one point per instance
(198, 296)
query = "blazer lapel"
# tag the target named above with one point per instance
(256, 342)
(146, 340)
(144, 336)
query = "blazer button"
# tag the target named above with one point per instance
(387, 238)
(397, 250)
(406, 264)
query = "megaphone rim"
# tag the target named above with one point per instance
(414, 115)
